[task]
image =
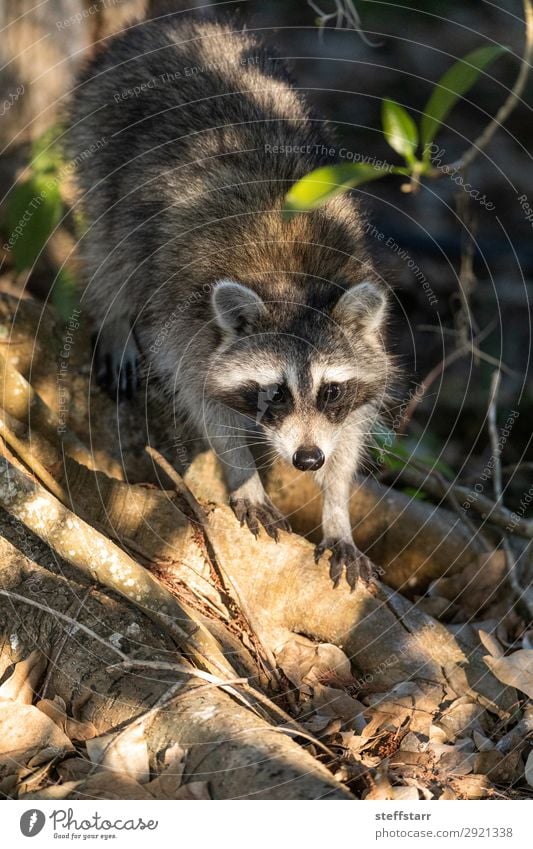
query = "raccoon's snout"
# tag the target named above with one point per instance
(308, 459)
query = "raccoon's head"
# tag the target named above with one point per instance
(301, 372)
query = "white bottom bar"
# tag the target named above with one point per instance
(268, 825)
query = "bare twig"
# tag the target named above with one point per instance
(344, 11)
(198, 512)
(418, 474)
(73, 623)
(467, 277)
(57, 654)
(493, 435)
(522, 595)
(451, 497)
(470, 347)
(294, 727)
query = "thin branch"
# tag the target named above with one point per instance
(344, 11)
(451, 497)
(58, 652)
(73, 623)
(293, 726)
(470, 347)
(524, 595)
(416, 473)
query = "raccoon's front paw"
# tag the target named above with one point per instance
(117, 365)
(345, 555)
(254, 515)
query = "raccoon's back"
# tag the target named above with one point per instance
(169, 92)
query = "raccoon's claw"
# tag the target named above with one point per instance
(255, 515)
(345, 555)
(117, 368)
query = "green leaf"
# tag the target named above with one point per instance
(455, 82)
(324, 183)
(34, 210)
(415, 493)
(46, 151)
(399, 129)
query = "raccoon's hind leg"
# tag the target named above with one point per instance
(116, 355)
(117, 360)
(225, 432)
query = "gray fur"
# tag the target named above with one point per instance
(184, 191)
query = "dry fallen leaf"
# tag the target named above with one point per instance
(471, 786)
(483, 744)
(21, 683)
(516, 670)
(31, 781)
(168, 784)
(491, 643)
(109, 785)
(381, 787)
(456, 760)
(53, 791)
(461, 718)
(74, 769)
(405, 794)
(447, 794)
(501, 769)
(27, 731)
(413, 743)
(407, 703)
(197, 790)
(74, 729)
(125, 753)
(330, 701)
(306, 663)
(529, 769)
(476, 586)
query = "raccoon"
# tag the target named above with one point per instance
(187, 134)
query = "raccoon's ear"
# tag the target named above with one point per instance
(236, 307)
(364, 304)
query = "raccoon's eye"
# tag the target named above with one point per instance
(277, 395)
(330, 394)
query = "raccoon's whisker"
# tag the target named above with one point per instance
(229, 450)
(238, 436)
(247, 430)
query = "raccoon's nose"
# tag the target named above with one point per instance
(308, 459)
